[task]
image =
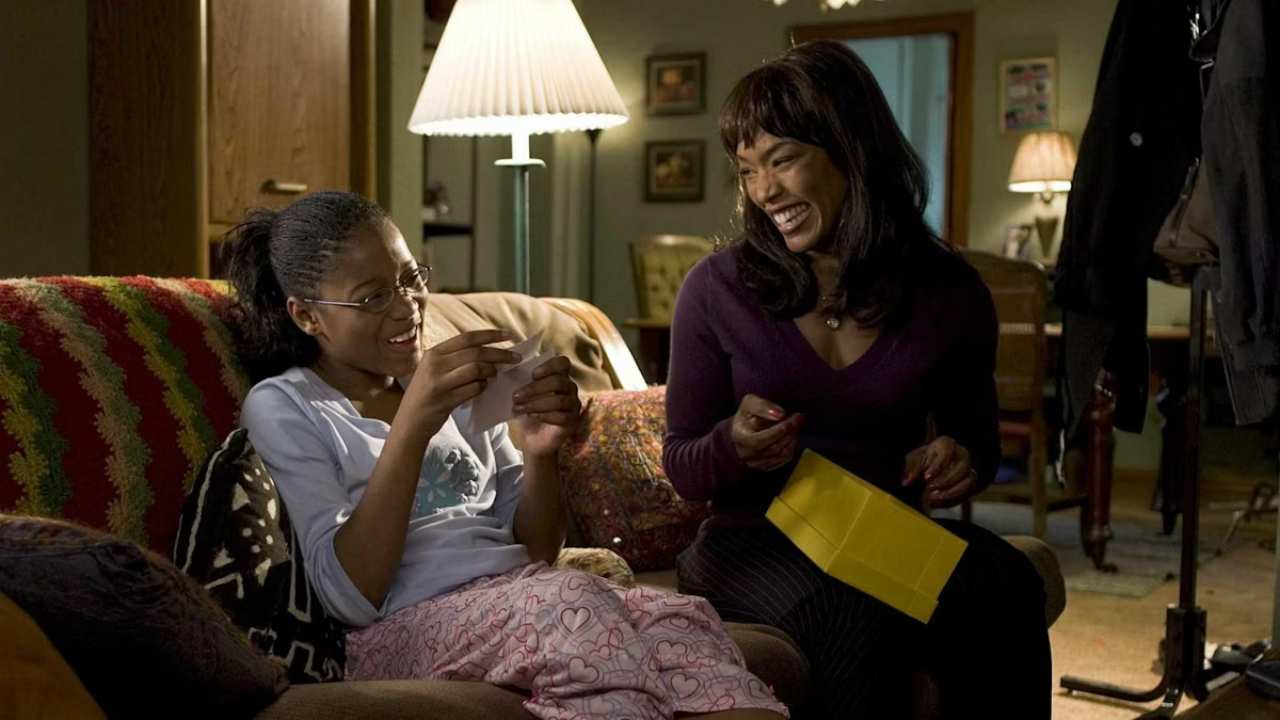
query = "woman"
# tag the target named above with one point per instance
(839, 322)
(430, 540)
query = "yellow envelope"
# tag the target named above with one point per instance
(865, 537)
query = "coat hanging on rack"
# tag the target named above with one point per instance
(1240, 134)
(1142, 134)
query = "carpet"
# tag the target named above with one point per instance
(1144, 558)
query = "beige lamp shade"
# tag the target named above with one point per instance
(516, 67)
(1043, 163)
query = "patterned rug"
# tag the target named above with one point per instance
(1144, 558)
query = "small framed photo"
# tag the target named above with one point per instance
(1028, 94)
(674, 170)
(675, 84)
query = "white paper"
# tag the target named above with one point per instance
(494, 405)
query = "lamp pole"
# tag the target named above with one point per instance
(520, 162)
(593, 135)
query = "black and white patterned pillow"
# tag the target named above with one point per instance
(235, 538)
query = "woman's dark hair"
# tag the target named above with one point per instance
(821, 93)
(272, 255)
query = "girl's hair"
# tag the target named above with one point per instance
(821, 93)
(273, 255)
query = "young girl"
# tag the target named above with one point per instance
(432, 542)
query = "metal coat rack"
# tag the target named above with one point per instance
(1185, 623)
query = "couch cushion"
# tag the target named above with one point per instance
(235, 538)
(613, 480)
(113, 391)
(448, 315)
(769, 653)
(143, 638)
(395, 699)
(774, 658)
(35, 682)
(1046, 563)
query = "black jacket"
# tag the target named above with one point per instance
(1142, 134)
(1241, 139)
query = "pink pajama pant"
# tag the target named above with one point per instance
(583, 646)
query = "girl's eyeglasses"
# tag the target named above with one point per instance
(413, 282)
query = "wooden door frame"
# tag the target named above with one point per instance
(960, 121)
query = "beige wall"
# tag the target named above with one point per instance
(738, 34)
(400, 74)
(44, 130)
(44, 137)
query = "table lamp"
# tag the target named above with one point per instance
(1044, 164)
(518, 68)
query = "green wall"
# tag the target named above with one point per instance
(44, 137)
(400, 74)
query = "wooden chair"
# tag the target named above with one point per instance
(1020, 290)
(659, 263)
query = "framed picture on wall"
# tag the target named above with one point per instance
(675, 84)
(1028, 94)
(674, 170)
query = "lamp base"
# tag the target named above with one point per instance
(1046, 229)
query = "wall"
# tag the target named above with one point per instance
(400, 74)
(738, 34)
(44, 137)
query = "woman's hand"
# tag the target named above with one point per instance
(763, 435)
(949, 476)
(454, 372)
(548, 408)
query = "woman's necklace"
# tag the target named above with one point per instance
(826, 305)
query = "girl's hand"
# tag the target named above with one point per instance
(454, 372)
(763, 435)
(548, 408)
(949, 476)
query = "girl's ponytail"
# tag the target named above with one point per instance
(270, 341)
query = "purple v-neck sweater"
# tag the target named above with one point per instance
(937, 362)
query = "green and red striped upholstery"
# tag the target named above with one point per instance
(113, 391)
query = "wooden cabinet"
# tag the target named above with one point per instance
(203, 109)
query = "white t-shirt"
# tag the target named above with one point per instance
(321, 452)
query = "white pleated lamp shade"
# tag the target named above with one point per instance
(516, 67)
(1044, 162)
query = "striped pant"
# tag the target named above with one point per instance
(987, 645)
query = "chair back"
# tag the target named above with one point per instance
(1020, 290)
(660, 263)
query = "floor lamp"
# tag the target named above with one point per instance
(593, 135)
(517, 68)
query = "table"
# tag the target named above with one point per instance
(1170, 355)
